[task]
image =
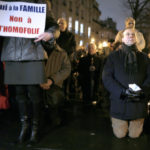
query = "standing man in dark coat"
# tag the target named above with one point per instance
(89, 69)
(67, 42)
(126, 76)
(66, 39)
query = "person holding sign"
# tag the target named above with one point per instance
(23, 56)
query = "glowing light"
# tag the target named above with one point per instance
(81, 43)
(92, 40)
(105, 44)
(94, 102)
(100, 46)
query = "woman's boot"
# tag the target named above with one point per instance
(34, 133)
(36, 97)
(35, 123)
(22, 99)
(24, 129)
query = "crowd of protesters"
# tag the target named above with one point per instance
(65, 71)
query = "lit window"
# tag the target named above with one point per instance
(89, 32)
(76, 26)
(81, 43)
(70, 24)
(81, 29)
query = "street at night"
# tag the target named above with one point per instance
(74, 74)
(84, 129)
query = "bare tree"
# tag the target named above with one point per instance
(140, 11)
(138, 7)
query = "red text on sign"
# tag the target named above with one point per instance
(15, 19)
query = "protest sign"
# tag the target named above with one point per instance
(22, 19)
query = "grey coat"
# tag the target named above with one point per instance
(23, 49)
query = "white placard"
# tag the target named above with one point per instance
(21, 19)
(134, 87)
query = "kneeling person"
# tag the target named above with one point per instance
(124, 67)
(57, 69)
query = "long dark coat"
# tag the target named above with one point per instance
(86, 76)
(115, 79)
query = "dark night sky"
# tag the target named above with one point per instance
(114, 9)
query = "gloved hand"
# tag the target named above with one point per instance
(139, 93)
(129, 95)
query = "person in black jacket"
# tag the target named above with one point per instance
(66, 39)
(89, 69)
(126, 75)
(67, 42)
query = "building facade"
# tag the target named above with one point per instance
(83, 18)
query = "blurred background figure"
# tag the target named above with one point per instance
(130, 23)
(89, 74)
(110, 44)
(75, 89)
(4, 104)
(67, 42)
(57, 69)
(66, 39)
(78, 54)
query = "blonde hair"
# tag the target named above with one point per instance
(129, 19)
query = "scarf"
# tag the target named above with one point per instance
(130, 61)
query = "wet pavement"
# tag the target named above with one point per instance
(85, 129)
